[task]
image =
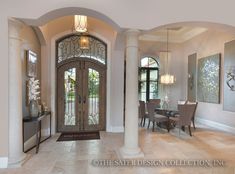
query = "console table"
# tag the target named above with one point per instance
(37, 120)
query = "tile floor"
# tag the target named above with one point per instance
(75, 157)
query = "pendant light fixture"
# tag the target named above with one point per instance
(167, 78)
(80, 23)
(80, 26)
(84, 42)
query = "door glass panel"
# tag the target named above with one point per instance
(152, 62)
(143, 96)
(143, 75)
(153, 95)
(153, 90)
(93, 96)
(153, 87)
(69, 97)
(143, 86)
(144, 62)
(153, 75)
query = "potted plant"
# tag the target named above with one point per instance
(33, 96)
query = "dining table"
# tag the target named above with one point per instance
(168, 112)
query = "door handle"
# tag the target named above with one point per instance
(84, 99)
(79, 99)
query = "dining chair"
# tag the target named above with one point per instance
(156, 101)
(182, 102)
(193, 118)
(154, 117)
(179, 102)
(186, 112)
(142, 112)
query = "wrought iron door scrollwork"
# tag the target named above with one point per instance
(69, 47)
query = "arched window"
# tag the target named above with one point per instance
(71, 46)
(148, 78)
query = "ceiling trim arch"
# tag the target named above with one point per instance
(67, 11)
(183, 31)
(40, 35)
(205, 24)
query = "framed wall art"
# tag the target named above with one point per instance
(208, 84)
(31, 64)
(229, 76)
(192, 69)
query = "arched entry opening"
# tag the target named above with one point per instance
(81, 84)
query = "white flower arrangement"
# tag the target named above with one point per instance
(33, 87)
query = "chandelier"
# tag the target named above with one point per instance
(80, 23)
(167, 78)
(80, 26)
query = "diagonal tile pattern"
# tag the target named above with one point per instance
(75, 157)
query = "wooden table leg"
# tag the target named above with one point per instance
(168, 124)
(40, 131)
(37, 142)
(38, 138)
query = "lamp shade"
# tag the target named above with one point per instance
(80, 23)
(84, 42)
(167, 79)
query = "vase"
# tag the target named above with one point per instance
(33, 108)
(165, 105)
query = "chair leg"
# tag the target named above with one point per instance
(189, 128)
(168, 126)
(148, 124)
(193, 124)
(144, 122)
(141, 123)
(153, 126)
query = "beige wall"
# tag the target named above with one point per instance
(4, 88)
(176, 66)
(63, 26)
(209, 43)
(126, 16)
(29, 42)
(205, 44)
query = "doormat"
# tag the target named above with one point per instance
(74, 136)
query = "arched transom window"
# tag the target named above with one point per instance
(72, 46)
(148, 78)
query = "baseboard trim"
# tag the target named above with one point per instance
(216, 125)
(3, 162)
(115, 129)
(31, 141)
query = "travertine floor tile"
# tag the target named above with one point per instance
(75, 157)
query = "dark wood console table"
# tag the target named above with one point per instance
(37, 120)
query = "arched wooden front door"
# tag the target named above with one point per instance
(81, 84)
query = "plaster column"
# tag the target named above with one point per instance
(16, 155)
(131, 141)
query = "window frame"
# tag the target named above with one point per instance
(148, 69)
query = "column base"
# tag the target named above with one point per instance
(129, 153)
(15, 163)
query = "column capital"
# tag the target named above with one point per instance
(132, 32)
(14, 28)
(132, 37)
